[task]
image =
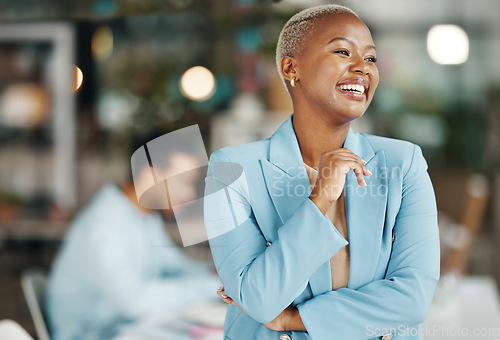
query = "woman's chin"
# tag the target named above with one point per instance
(351, 115)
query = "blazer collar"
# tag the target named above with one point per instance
(284, 150)
(365, 212)
(358, 145)
(284, 172)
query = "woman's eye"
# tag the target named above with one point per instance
(344, 52)
(372, 59)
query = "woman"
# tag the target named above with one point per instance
(327, 233)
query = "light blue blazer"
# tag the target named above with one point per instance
(272, 246)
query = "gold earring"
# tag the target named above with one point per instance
(293, 81)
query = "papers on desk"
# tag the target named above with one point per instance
(208, 315)
(465, 308)
(203, 322)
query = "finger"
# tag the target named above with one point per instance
(361, 160)
(220, 289)
(345, 151)
(358, 170)
(229, 300)
(345, 156)
(353, 157)
(226, 298)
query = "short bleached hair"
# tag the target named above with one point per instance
(299, 27)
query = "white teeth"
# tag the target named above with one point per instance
(353, 87)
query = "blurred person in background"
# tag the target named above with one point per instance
(118, 262)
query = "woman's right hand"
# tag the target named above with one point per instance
(332, 170)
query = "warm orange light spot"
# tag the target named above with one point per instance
(78, 79)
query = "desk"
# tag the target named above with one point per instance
(465, 308)
(203, 322)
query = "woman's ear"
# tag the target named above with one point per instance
(288, 67)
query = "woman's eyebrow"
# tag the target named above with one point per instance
(349, 41)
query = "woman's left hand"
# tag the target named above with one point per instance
(278, 324)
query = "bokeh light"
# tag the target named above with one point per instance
(78, 78)
(102, 43)
(197, 83)
(24, 105)
(448, 44)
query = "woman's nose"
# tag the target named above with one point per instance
(360, 66)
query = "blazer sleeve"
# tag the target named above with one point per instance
(262, 280)
(403, 297)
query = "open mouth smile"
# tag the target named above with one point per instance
(355, 89)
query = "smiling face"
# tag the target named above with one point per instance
(336, 70)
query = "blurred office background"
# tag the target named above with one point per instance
(78, 78)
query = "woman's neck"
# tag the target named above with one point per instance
(317, 136)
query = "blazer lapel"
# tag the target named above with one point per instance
(288, 186)
(365, 209)
(284, 172)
